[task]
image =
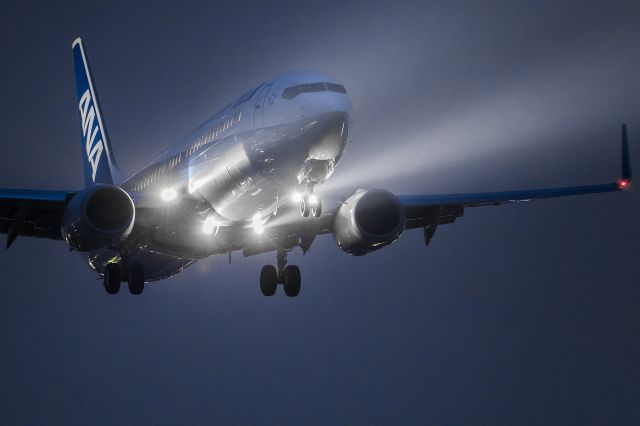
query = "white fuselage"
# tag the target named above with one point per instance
(286, 135)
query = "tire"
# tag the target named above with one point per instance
(112, 278)
(268, 280)
(305, 208)
(136, 279)
(292, 280)
(316, 211)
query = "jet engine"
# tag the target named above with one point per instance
(98, 217)
(368, 221)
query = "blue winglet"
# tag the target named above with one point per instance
(625, 178)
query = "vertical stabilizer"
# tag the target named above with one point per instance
(97, 155)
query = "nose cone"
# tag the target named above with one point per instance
(327, 113)
(333, 102)
(330, 135)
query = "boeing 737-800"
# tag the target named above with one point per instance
(242, 181)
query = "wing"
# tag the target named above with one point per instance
(32, 213)
(431, 210)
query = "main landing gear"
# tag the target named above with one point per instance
(113, 278)
(287, 275)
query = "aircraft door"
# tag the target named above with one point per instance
(258, 114)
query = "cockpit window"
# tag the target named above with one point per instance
(293, 91)
(333, 87)
(313, 87)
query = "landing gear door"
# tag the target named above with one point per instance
(258, 114)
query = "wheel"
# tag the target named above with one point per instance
(292, 280)
(305, 207)
(268, 280)
(112, 278)
(136, 279)
(316, 210)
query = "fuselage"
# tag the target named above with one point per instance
(237, 167)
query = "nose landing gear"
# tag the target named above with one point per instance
(310, 204)
(287, 275)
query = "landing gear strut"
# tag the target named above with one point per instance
(287, 275)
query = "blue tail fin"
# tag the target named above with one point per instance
(99, 163)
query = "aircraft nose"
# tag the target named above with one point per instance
(336, 103)
(319, 104)
(331, 135)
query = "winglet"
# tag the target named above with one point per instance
(625, 178)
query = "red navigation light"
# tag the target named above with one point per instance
(623, 183)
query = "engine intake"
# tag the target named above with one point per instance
(368, 221)
(98, 217)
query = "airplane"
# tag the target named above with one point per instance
(243, 181)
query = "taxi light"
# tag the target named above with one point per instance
(168, 194)
(258, 226)
(209, 225)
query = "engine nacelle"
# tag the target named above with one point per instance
(368, 221)
(98, 217)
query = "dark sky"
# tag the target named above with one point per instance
(522, 314)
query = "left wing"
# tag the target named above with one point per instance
(431, 210)
(32, 213)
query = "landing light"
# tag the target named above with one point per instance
(296, 197)
(258, 226)
(209, 225)
(313, 200)
(168, 194)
